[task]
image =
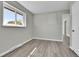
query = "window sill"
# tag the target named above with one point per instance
(14, 25)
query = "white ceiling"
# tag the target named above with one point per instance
(37, 7)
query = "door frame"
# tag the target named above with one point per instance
(63, 27)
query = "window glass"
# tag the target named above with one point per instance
(9, 17)
(19, 20)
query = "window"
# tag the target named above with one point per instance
(13, 16)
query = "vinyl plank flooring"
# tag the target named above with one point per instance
(42, 48)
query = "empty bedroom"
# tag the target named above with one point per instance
(39, 28)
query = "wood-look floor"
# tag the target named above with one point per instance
(42, 48)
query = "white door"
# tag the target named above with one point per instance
(75, 27)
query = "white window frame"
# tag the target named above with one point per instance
(5, 4)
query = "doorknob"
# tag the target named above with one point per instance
(73, 30)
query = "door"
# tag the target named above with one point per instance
(75, 27)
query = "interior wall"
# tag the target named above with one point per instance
(10, 37)
(48, 25)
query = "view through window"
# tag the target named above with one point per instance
(12, 17)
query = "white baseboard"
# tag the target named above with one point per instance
(76, 51)
(14, 47)
(47, 39)
(68, 35)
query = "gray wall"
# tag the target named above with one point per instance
(48, 25)
(10, 37)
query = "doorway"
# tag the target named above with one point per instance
(66, 30)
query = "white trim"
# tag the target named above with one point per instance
(14, 47)
(76, 51)
(68, 35)
(71, 48)
(47, 39)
